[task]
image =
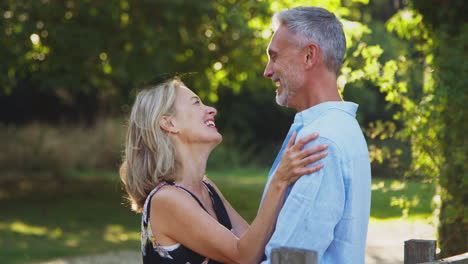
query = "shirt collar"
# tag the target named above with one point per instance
(312, 113)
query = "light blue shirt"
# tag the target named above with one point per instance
(328, 211)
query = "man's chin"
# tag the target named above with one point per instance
(281, 100)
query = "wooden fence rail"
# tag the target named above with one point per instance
(293, 256)
(458, 259)
(417, 251)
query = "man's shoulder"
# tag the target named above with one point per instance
(334, 124)
(340, 128)
(338, 116)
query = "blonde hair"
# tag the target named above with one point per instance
(150, 156)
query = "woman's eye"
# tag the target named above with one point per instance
(197, 102)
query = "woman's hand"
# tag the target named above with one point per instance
(295, 159)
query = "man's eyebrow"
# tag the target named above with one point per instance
(195, 97)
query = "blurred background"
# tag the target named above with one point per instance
(69, 71)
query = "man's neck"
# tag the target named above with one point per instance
(319, 89)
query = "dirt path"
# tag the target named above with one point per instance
(384, 245)
(385, 242)
(120, 257)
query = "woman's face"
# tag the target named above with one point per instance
(193, 120)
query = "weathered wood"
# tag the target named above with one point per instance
(293, 256)
(458, 259)
(418, 251)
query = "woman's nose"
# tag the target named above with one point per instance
(212, 111)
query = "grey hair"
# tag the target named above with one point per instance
(317, 25)
(150, 155)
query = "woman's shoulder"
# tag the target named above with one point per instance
(174, 200)
(168, 195)
(210, 182)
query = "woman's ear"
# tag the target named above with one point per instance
(167, 125)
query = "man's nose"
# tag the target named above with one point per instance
(268, 73)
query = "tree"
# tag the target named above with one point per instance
(436, 117)
(448, 24)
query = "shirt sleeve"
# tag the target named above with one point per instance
(313, 208)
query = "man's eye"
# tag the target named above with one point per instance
(197, 102)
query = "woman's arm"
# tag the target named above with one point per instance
(185, 222)
(239, 225)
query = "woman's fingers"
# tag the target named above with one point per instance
(312, 150)
(312, 169)
(298, 172)
(296, 158)
(300, 157)
(313, 158)
(292, 139)
(303, 141)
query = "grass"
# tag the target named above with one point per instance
(87, 214)
(391, 199)
(42, 221)
(396, 199)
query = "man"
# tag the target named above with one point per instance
(327, 211)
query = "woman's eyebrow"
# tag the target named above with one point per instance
(195, 97)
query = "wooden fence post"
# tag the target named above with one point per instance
(293, 256)
(418, 251)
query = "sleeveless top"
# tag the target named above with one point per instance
(154, 253)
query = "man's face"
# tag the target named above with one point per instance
(283, 66)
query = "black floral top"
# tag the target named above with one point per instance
(154, 253)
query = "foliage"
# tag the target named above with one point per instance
(113, 46)
(82, 58)
(416, 101)
(451, 61)
(435, 113)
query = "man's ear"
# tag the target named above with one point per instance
(311, 55)
(167, 125)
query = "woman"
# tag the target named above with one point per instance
(185, 218)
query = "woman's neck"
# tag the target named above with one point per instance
(192, 166)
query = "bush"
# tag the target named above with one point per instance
(236, 152)
(38, 147)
